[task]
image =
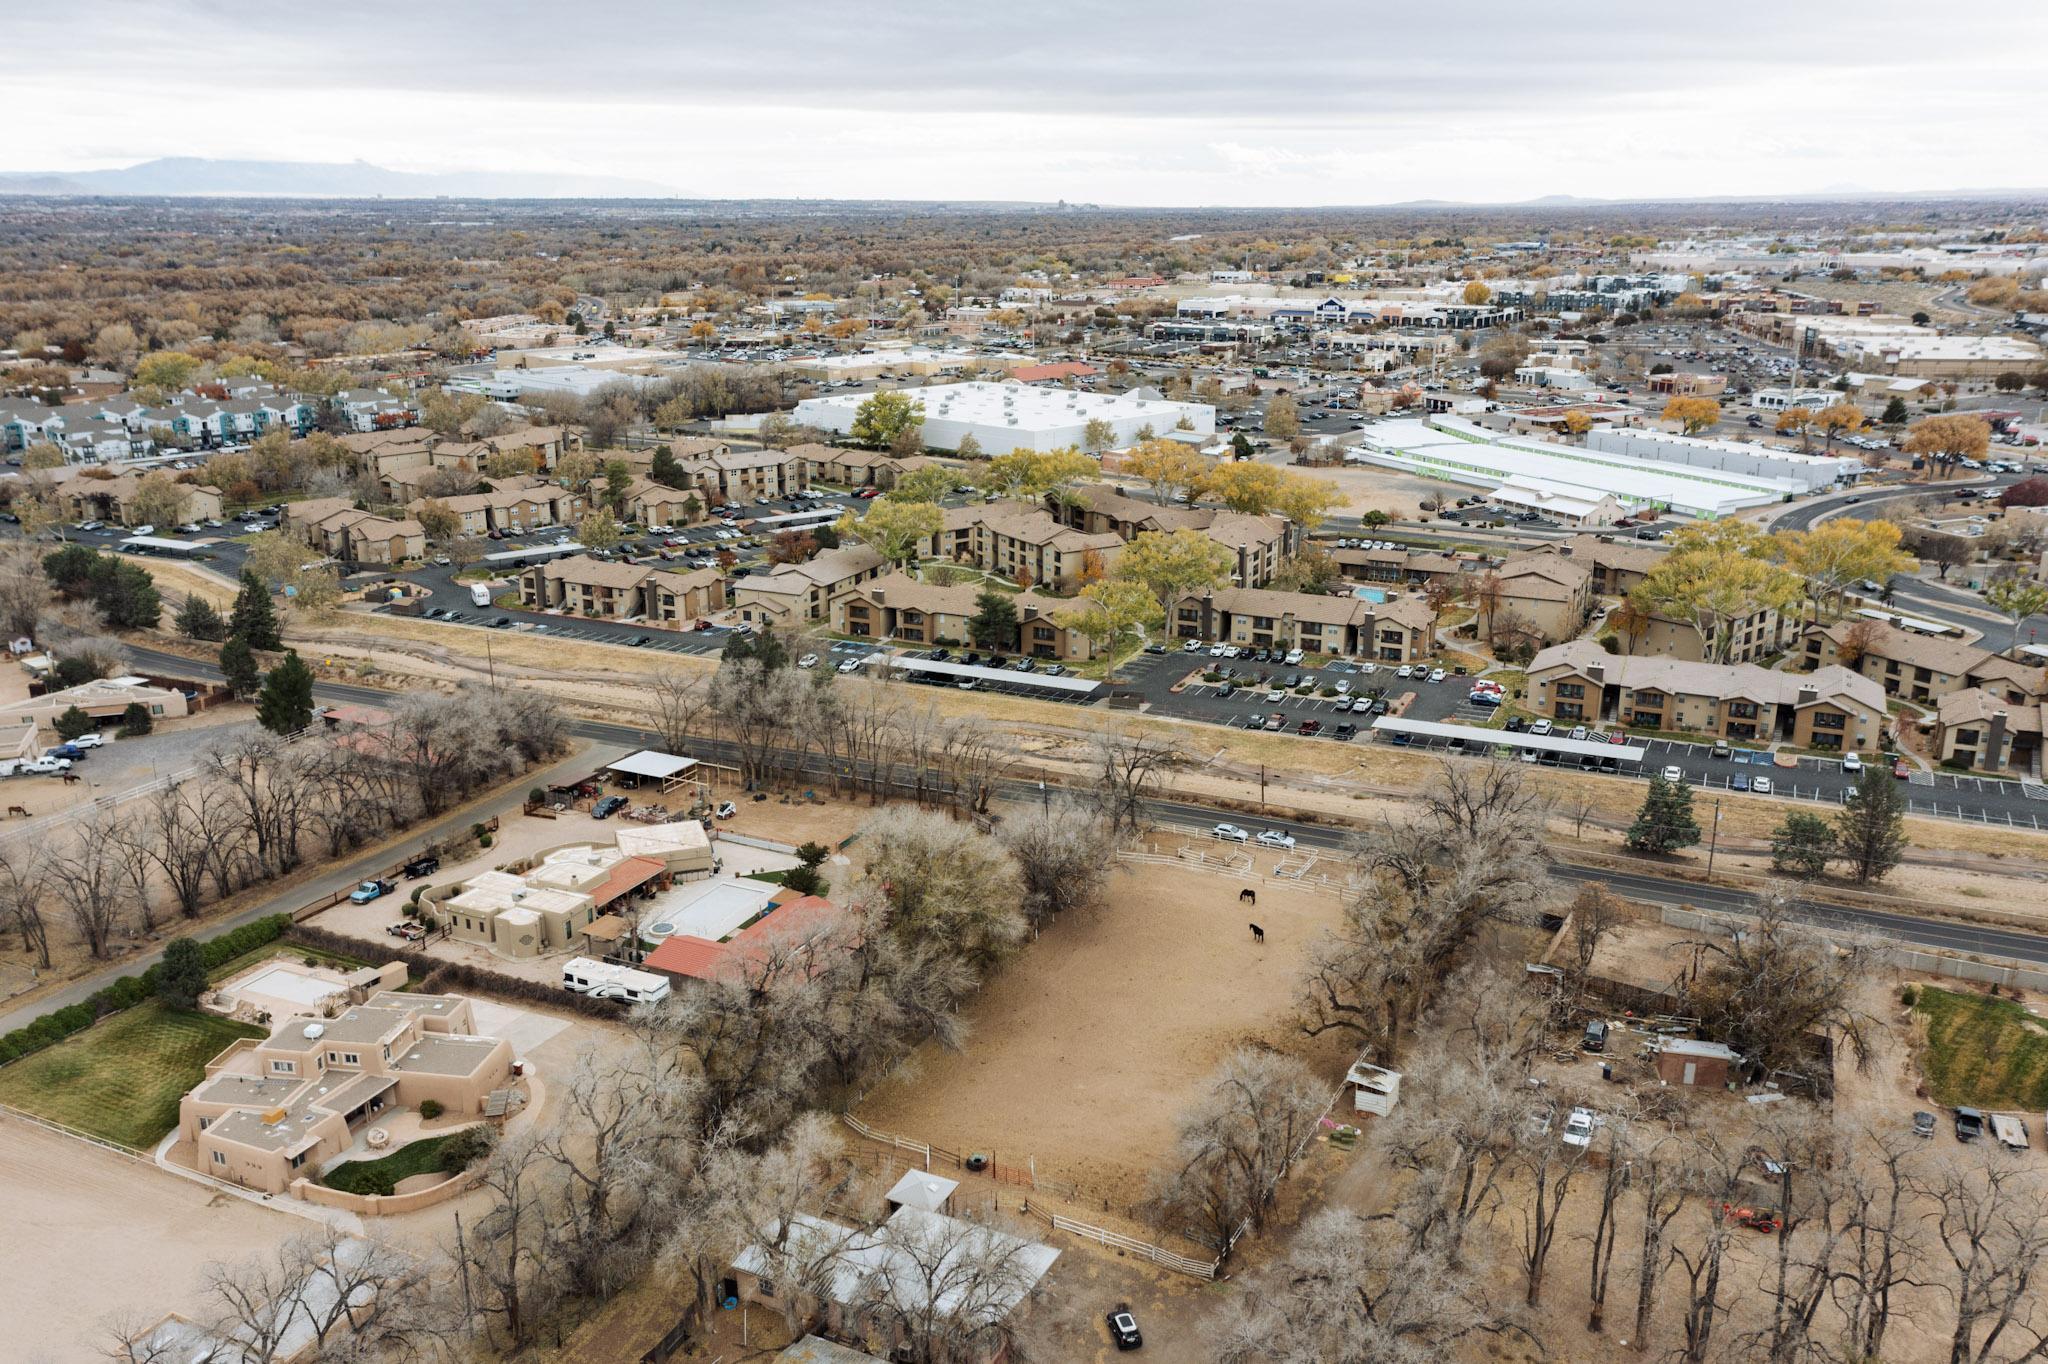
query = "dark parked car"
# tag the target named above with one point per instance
(1123, 1328)
(1595, 1038)
(1969, 1124)
(502, 623)
(1923, 1124)
(608, 807)
(422, 866)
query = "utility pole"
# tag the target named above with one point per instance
(1262, 788)
(1714, 839)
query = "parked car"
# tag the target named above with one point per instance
(71, 751)
(807, 661)
(406, 929)
(1579, 1127)
(1923, 1124)
(1674, 773)
(1123, 1328)
(1230, 833)
(1541, 728)
(94, 740)
(1760, 785)
(1852, 762)
(1595, 1038)
(46, 767)
(1274, 838)
(1969, 1124)
(422, 866)
(608, 807)
(368, 891)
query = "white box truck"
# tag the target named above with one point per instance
(606, 980)
(480, 594)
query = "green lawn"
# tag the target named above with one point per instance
(1983, 1052)
(122, 1078)
(381, 1176)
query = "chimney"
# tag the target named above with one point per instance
(1994, 742)
(1808, 694)
(881, 596)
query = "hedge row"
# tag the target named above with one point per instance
(455, 976)
(129, 991)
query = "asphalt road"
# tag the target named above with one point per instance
(1904, 928)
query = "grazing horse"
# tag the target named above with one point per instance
(1248, 896)
(1258, 935)
(21, 810)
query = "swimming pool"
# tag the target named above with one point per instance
(287, 983)
(706, 909)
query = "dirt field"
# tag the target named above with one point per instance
(1088, 1043)
(98, 1235)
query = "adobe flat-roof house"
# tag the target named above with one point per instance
(1832, 709)
(272, 1112)
(547, 905)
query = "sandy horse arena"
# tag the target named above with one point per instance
(1087, 1044)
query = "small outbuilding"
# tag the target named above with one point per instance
(924, 1191)
(1686, 1061)
(648, 767)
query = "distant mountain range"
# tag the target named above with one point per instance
(199, 176)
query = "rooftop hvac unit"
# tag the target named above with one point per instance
(314, 1031)
(273, 1117)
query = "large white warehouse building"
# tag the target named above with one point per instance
(1006, 417)
(1456, 451)
(1800, 473)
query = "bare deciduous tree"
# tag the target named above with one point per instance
(1992, 1225)
(1064, 854)
(1347, 1293)
(1236, 1141)
(24, 886)
(1778, 981)
(678, 701)
(1128, 769)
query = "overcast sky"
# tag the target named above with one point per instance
(1249, 102)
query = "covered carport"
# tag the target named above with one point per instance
(1076, 689)
(665, 770)
(1626, 757)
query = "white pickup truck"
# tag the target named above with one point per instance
(2010, 1132)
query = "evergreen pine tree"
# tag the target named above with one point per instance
(181, 978)
(994, 623)
(1665, 821)
(198, 620)
(1870, 832)
(285, 705)
(254, 618)
(238, 666)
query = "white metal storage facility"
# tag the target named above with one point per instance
(1798, 472)
(1457, 451)
(1006, 417)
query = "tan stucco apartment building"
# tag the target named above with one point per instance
(274, 1111)
(791, 594)
(1833, 709)
(900, 607)
(1389, 632)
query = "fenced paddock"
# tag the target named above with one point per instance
(1086, 1045)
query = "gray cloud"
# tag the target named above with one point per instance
(1207, 92)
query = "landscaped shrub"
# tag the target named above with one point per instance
(430, 1109)
(464, 1149)
(128, 991)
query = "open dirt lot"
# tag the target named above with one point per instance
(1088, 1043)
(97, 1235)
